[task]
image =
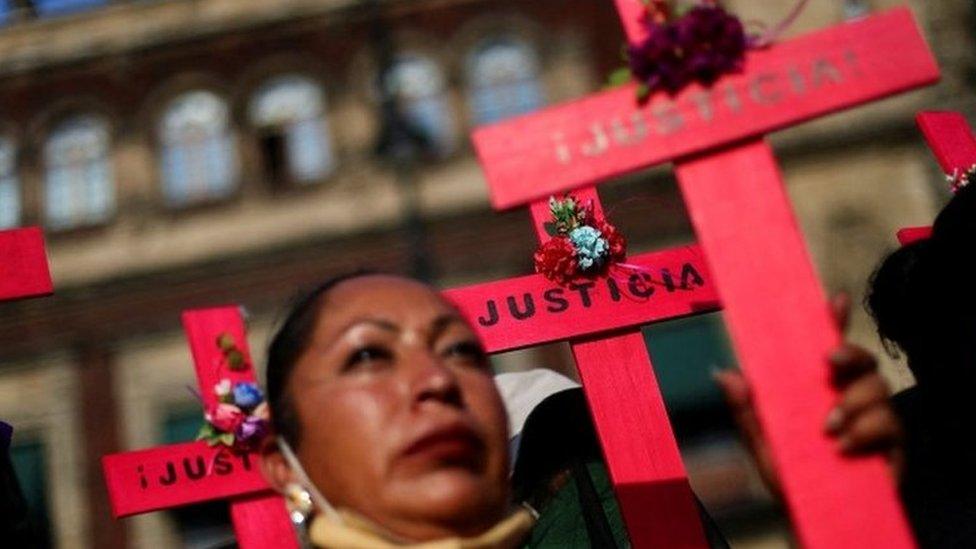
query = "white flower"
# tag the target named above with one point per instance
(223, 388)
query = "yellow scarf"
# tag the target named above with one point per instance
(357, 533)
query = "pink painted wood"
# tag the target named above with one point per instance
(742, 216)
(23, 265)
(183, 474)
(952, 142)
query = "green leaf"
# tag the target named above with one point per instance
(643, 93)
(235, 360)
(619, 77)
(225, 342)
(206, 431)
(227, 439)
(550, 228)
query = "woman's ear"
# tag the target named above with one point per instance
(275, 467)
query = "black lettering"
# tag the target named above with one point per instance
(668, 280)
(246, 460)
(557, 303)
(170, 477)
(851, 59)
(668, 117)
(759, 89)
(614, 289)
(584, 292)
(600, 142)
(824, 70)
(492, 315)
(640, 285)
(201, 470)
(222, 465)
(142, 478)
(690, 276)
(529, 307)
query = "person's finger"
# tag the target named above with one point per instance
(840, 308)
(849, 362)
(739, 396)
(870, 432)
(859, 397)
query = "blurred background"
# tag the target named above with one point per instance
(188, 153)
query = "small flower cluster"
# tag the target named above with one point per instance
(701, 45)
(959, 179)
(239, 419)
(580, 245)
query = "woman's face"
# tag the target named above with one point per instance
(399, 416)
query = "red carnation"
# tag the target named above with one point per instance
(618, 244)
(556, 260)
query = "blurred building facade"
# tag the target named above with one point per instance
(188, 153)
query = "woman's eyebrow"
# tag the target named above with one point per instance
(443, 322)
(376, 322)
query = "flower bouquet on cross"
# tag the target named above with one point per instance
(581, 245)
(239, 420)
(690, 41)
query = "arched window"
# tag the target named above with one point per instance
(199, 158)
(289, 114)
(79, 183)
(503, 80)
(421, 89)
(9, 185)
(854, 9)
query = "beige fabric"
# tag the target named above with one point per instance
(356, 533)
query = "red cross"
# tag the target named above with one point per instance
(778, 320)
(193, 472)
(951, 140)
(23, 265)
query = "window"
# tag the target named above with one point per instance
(9, 185)
(58, 7)
(30, 466)
(199, 159)
(854, 9)
(79, 185)
(421, 89)
(289, 114)
(503, 80)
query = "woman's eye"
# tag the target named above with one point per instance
(469, 351)
(367, 356)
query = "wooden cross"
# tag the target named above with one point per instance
(951, 140)
(193, 472)
(24, 271)
(778, 320)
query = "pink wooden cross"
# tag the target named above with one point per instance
(23, 265)
(778, 320)
(193, 472)
(951, 140)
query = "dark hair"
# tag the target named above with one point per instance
(290, 341)
(923, 296)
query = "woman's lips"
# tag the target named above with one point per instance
(450, 443)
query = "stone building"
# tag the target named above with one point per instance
(186, 153)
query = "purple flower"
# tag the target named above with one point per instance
(247, 395)
(704, 44)
(251, 432)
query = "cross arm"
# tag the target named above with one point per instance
(177, 475)
(23, 265)
(608, 134)
(950, 138)
(531, 310)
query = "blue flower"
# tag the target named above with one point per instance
(247, 395)
(591, 248)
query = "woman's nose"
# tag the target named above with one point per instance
(433, 381)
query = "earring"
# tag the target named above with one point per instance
(299, 503)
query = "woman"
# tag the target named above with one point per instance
(924, 302)
(389, 422)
